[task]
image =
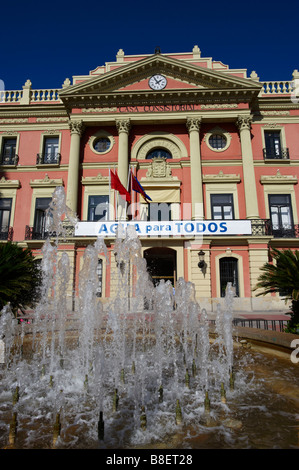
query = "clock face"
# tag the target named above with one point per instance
(157, 82)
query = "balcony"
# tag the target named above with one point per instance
(264, 227)
(287, 231)
(281, 154)
(11, 160)
(48, 158)
(32, 233)
(6, 233)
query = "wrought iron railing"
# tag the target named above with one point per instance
(261, 227)
(32, 233)
(48, 158)
(6, 233)
(286, 231)
(260, 323)
(283, 154)
(10, 160)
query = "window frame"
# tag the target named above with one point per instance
(222, 205)
(44, 137)
(89, 207)
(7, 136)
(281, 227)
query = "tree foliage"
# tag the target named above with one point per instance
(283, 277)
(19, 277)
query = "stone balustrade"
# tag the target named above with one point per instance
(11, 96)
(277, 88)
(28, 96)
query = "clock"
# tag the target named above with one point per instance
(157, 82)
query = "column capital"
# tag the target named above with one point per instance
(123, 125)
(244, 122)
(76, 127)
(193, 123)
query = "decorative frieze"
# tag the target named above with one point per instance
(46, 182)
(11, 184)
(95, 180)
(221, 178)
(278, 178)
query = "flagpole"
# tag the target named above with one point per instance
(128, 185)
(109, 192)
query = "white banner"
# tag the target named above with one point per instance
(166, 228)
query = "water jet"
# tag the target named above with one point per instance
(140, 337)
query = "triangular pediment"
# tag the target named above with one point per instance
(133, 79)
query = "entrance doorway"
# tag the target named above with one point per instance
(161, 264)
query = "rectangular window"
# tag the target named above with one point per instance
(9, 151)
(281, 214)
(159, 211)
(273, 146)
(41, 218)
(5, 211)
(50, 153)
(98, 208)
(222, 206)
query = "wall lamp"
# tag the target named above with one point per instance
(202, 264)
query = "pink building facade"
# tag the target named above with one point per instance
(208, 144)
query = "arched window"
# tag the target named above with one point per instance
(229, 273)
(158, 153)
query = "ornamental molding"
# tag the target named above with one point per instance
(14, 121)
(160, 168)
(76, 127)
(278, 178)
(159, 139)
(11, 184)
(98, 135)
(123, 125)
(244, 122)
(223, 132)
(219, 106)
(95, 180)
(112, 109)
(193, 123)
(221, 178)
(52, 119)
(46, 182)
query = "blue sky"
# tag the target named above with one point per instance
(49, 41)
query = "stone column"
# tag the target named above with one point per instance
(244, 125)
(123, 127)
(76, 128)
(193, 126)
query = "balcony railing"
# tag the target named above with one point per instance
(48, 159)
(261, 227)
(32, 233)
(10, 160)
(6, 233)
(283, 154)
(286, 231)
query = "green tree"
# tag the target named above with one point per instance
(282, 277)
(19, 277)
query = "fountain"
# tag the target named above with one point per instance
(146, 370)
